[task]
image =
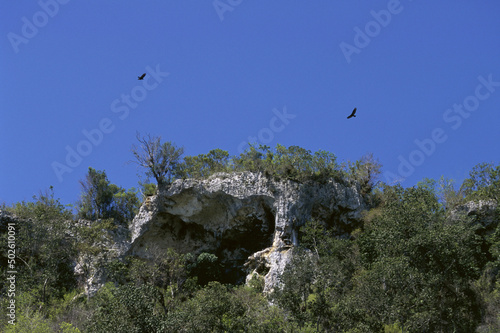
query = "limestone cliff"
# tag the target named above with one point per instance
(248, 220)
(484, 213)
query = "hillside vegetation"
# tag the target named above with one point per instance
(418, 263)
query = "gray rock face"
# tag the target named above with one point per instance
(483, 212)
(88, 268)
(248, 220)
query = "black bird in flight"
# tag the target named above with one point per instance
(141, 77)
(353, 114)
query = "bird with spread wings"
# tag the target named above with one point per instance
(141, 77)
(353, 114)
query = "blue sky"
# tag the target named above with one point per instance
(424, 76)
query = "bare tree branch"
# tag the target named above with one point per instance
(159, 159)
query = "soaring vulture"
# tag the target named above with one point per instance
(141, 77)
(353, 114)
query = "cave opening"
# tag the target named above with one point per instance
(255, 233)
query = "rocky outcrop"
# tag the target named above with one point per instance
(89, 266)
(248, 220)
(482, 212)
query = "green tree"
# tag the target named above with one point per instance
(44, 248)
(128, 308)
(324, 165)
(207, 268)
(488, 285)
(147, 189)
(217, 160)
(166, 271)
(203, 165)
(297, 286)
(419, 266)
(97, 196)
(125, 203)
(29, 321)
(318, 280)
(250, 159)
(102, 200)
(448, 195)
(364, 172)
(483, 183)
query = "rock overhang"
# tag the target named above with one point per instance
(241, 217)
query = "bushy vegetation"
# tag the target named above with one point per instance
(292, 163)
(483, 184)
(414, 265)
(162, 161)
(102, 200)
(408, 267)
(44, 248)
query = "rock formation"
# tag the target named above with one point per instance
(248, 220)
(482, 212)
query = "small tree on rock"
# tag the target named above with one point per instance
(160, 159)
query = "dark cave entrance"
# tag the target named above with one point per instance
(254, 234)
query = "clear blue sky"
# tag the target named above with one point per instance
(285, 72)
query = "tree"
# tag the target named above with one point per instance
(418, 267)
(126, 203)
(159, 159)
(97, 196)
(296, 286)
(102, 200)
(43, 247)
(365, 172)
(250, 160)
(317, 281)
(203, 165)
(207, 268)
(483, 183)
(167, 271)
(148, 190)
(127, 308)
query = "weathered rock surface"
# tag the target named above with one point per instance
(89, 267)
(483, 212)
(248, 220)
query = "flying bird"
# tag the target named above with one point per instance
(142, 76)
(353, 114)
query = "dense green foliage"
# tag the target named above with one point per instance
(414, 265)
(162, 162)
(410, 269)
(44, 248)
(294, 163)
(484, 183)
(102, 200)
